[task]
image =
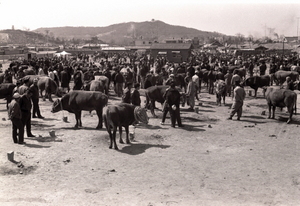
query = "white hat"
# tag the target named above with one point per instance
(16, 95)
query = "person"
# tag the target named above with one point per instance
(228, 78)
(126, 98)
(235, 78)
(119, 79)
(196, 80)
(15, 115)
(262, 68)
(135, 95)
(36, 113)
(290, 84)
(25, 105)
(239, 95)
(190, 93)
(172, 97)
(65, 80)
(170, 79)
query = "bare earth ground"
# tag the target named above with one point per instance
(211, 161)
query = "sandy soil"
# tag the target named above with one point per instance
(211, 161)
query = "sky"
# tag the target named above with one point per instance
(249, 17)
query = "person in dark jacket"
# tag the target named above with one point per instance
(290, 84)
(15, 115)
(172, 97)
(135, 95)
(65, 80)
(126, 98)
(119, 79)
(35, 100)
(25, 105)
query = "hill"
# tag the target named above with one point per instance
(126, 33)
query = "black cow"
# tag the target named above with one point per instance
(6, 91)
(155, 93)
(256, 82)
(76, 101)
(280, 76)
(277, 97)
(122, 115)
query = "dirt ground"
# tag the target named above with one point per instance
(210, 161)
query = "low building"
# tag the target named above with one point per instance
(173, 52)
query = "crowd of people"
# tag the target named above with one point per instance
(130, 72)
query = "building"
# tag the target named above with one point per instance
(174, 52)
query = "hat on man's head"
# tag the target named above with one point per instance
(16, 95)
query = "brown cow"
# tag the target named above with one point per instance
(277, 97)
(76, 101)
(122, 115)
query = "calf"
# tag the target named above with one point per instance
(122, 115)
(281, 98)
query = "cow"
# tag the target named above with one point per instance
(94, 85)
(6, 91)
(46, 84)
(240, 71)
(75, 101)
(279, 77)
(256, 82)
(49, 86)
(155, 93)
(122, 115)
(105, 83)
(277, 97)
(220, 88)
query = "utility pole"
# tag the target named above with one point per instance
(298, 28)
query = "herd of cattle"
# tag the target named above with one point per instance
(95, 96)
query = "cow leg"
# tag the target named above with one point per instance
(255, 92)
(127, 134)
(224, 95)
(152, 105)
(269, 117)
(114, 139)
(77, 119)
(120, 132)
(290, 109)
(273, 112)
(100, 120)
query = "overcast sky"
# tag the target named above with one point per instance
(251, 17)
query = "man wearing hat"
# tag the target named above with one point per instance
(25, 105)
(15, 115)
(35, 100)
(239, 95)
(172, 97)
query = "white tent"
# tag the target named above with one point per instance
(63, 53)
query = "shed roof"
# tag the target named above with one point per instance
(171, 46)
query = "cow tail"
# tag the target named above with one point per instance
(107, 119)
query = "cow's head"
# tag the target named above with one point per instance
(140, 114)
(57, 106)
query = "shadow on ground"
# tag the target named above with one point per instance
(136, 149)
